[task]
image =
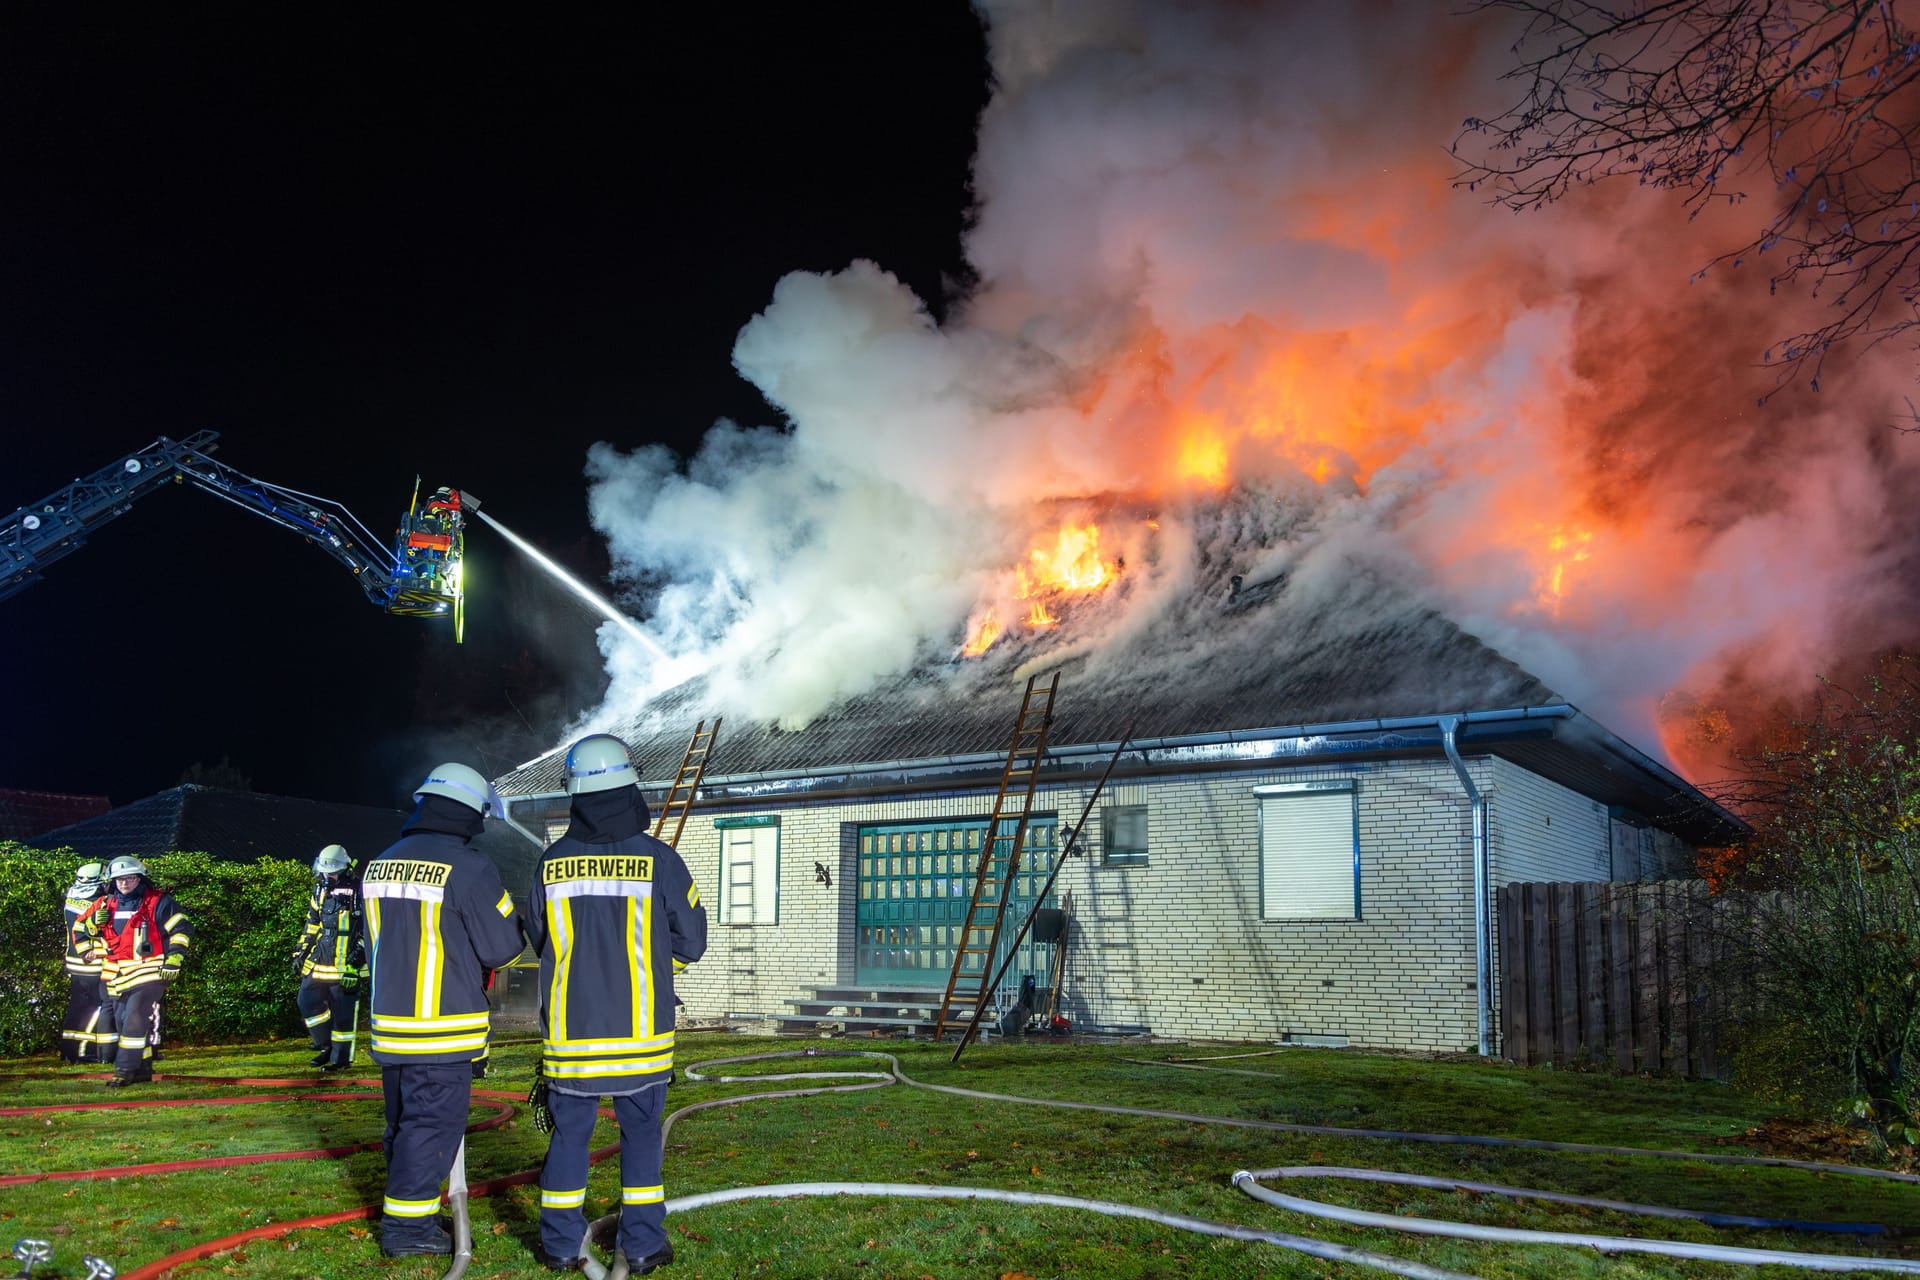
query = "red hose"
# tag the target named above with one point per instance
(305, 1090)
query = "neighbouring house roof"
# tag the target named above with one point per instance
(24, 814)
(235, 825)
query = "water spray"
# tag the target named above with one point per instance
(578, 587)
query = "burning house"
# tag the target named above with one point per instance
(1287, 847)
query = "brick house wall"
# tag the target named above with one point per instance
(1177, 944)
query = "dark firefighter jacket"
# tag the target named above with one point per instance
(138, 936)
(614, 915)
(332, 937)
(437, 919)
(81, 958)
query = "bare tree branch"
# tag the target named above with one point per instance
(1821, 97)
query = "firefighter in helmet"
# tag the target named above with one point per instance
(89, 1011)
(141, 936)
(613, 915)
(331, 953)
(437, 919)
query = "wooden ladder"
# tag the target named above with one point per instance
(686, 783)
(967, 988)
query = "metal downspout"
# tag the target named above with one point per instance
(1482, 873)
(506, 816)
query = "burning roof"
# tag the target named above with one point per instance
(1271, 654)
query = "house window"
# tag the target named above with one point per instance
(1309, 851)
(1123, 833)
(749, 870)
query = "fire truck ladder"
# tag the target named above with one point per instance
(967, 987)
(686, 783)
(1071, 848)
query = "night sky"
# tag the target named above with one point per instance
(365, 248)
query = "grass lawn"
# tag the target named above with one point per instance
(902, 1134)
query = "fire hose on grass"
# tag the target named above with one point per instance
(1248, 1182)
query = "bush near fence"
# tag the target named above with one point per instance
(238, 984)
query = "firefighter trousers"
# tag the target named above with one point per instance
(82, 1023)
(330, 1012)
(563, 1178)
(137, 1014)
(426, 1118)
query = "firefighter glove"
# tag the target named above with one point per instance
(537, 1100)
(350, 978)
(171, 969)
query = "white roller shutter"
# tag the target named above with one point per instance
(1307, 856)
(750, 875)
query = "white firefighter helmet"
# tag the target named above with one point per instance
(125, 866)
(88, 880)
(458, 782)
(599, 762)
(333, 858)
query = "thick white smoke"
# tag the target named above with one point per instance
(1227, 287)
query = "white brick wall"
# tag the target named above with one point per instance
(1178, 945)
(1541, 831)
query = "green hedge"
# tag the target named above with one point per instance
(239, 982)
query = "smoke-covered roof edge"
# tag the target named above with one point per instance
(1555, 740)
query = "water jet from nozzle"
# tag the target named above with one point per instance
(574, 585)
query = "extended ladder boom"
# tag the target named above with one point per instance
(36, 535)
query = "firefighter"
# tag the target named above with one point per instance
(437, 919)
(141, 936)
(613, 915)
(330, 955)
(85, 999)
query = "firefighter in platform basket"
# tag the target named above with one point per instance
(613, 915)
(329, 959)
(141, 937)
(437, 918)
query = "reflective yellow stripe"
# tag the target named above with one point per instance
(693, 894)
(505, 905)
(562, 1199)
(560, 929)
(636, 926)
(451, 1022)
(642, 1195)
(624, 1067)
(445, 1044)
(593, 1048)
(427, 976)
(410, 1208)
(319, 1018)
(132, 1042)
(339, 1036)
(179, 939)
(175, 919)
(679, 965)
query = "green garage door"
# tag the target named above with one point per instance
(915, 882)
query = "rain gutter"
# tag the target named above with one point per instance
(1482, 877)
(1231, 744)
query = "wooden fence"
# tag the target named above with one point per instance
(1624, 975)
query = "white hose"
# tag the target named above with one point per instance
(1248, 1182)
(1112, 1209)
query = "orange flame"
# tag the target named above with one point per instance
(1566, 550)
(1038, 616)
(982, 636)
(1074, 564)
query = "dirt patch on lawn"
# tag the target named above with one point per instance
(1788, 1139)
